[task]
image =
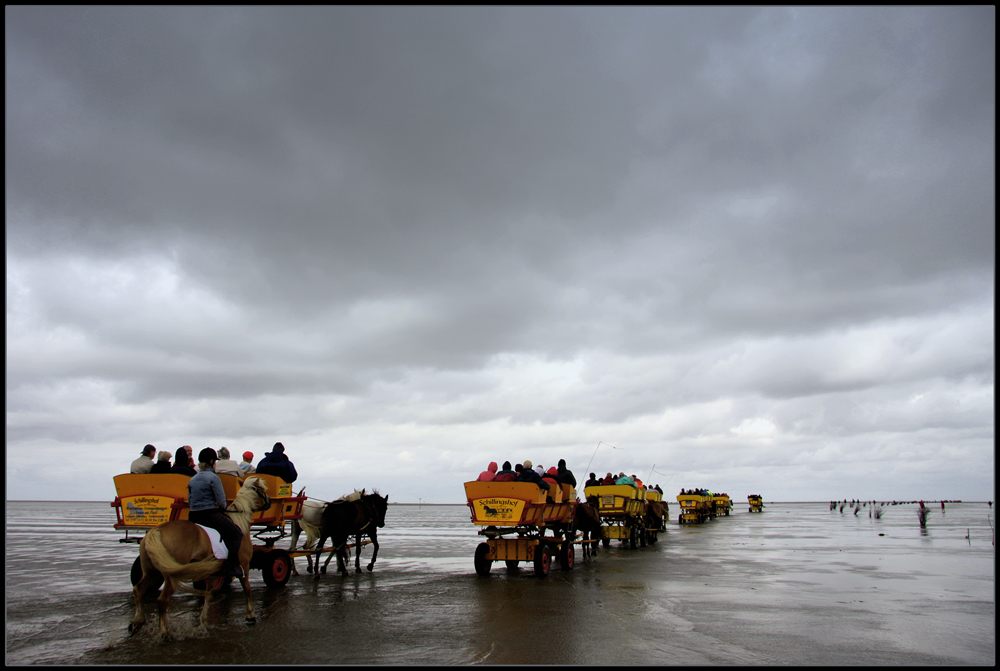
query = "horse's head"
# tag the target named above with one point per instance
(254, 495)
(379, 505)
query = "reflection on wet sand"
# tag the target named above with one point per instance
(796, 584)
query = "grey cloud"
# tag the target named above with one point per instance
(525, 224)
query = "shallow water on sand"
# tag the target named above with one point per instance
(796, 584)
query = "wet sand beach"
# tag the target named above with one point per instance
(796, 584)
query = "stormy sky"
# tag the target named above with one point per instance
(751, 250)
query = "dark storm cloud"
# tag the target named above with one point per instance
(416, 218)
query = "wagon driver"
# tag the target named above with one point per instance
(208, 505)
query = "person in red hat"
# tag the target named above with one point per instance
(246, 466)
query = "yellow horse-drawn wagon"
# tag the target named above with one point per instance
(756, 503)
(515, 517)
(144, 501)
(696, 507)
(623, 511)
(723, 504)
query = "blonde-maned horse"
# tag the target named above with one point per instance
(182, 553)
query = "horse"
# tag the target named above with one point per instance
(342, 519)
(312, 515)
(182, 553)
(588, 520)
(654, 520)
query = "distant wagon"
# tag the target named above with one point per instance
(723, 504)
(756, 503)
(695, 508)
(146, 500)
(623, 511)
(521, 525)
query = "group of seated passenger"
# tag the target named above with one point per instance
(620, 479)
(696, 492)
(526, 472)
(274, 463)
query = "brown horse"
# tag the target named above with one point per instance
(182, 553)
(588, 520)
(655, 520)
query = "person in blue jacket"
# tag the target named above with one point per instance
(208, 508)
(276, 463)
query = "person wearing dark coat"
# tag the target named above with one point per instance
(507, 474)
(593, 482)
(162, 464)
(564, 475)
(276, 463)
(181, 463)
(529, 475)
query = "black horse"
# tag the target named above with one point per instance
(588, 520)
(343, 519)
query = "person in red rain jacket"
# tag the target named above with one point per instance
(490, 474)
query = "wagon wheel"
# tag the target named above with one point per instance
(643, 540)
(512, 564)
(137, 576)
(483, 564)
(543, 559)
(277, 566)
(631, 537)
(567, 556)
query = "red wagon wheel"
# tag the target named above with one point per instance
(567, 557)
(277, 567)
(543, 559)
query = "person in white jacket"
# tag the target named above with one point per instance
(145, 462)
(227, 466)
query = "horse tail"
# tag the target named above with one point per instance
(168, 566)
(312, 533)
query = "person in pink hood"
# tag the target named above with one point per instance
(489, 474)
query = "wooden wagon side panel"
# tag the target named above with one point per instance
(505, 503)
(145, 500)
(285, 506)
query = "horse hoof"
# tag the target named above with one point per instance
(358, 571)
(323, 570)
(309, 570)
(370, 567)
(132, 628)
(251, 620)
